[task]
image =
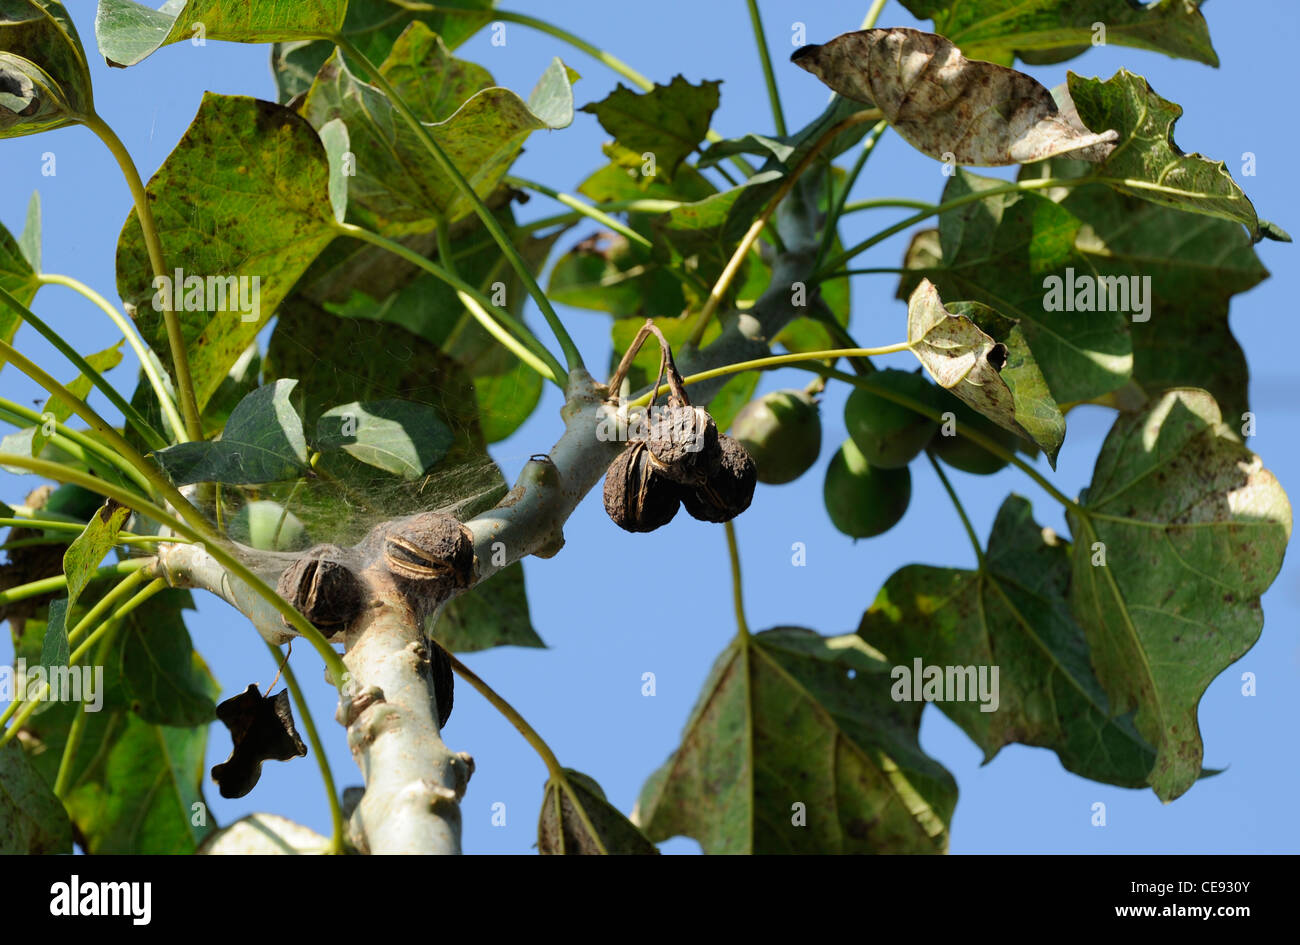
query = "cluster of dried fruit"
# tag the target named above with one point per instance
(680, 460)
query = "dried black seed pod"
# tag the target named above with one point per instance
(684, 442)
(433, 553)
(637, 497)
(323, 589)
(728, 491)
(444, 682)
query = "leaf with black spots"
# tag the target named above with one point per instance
(94, 543)
(945, 105)
(1180, 532)
(981, 356)
(32, 819)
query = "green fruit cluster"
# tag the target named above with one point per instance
(868, 484)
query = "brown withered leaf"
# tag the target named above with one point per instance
(947, 105)
(261, 728)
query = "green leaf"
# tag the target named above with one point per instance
(397, 436)
(998, 251)
(981, 357)
(1000, 30)
(164, 681)
(604, 273)
(262, 442)
(947, 106)
(623, 179)
(32, 819)
(399, 188)
(80, 386)
(1192, 266)
(44, 78)
(1177, 536)
(30, 241)
(373, 26)
(491, 614)
(54, 647)
(1146, 162)
(243, 202)
(577, 820)
(133, 785)
(669, 121)
(340, 360)
(130, 32)
(17, 277)
(1011, 614)
(334, 136)
(791, 718)
(358, 281)
(708, 230)
(90, 548)
(141, 793)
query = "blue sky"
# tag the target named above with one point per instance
(584, 693)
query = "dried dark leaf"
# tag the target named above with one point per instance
(261, 728)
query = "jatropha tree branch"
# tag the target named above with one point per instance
(413, 781)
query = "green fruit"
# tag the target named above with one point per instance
(256, 523)
(966, 455)
(782, 433)
(864, 500)
(890, 435)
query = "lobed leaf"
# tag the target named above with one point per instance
(1145, 162)
(1179, 533)
(1012, 613)
(790, 722)
(669, 121)
(1000, 250)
